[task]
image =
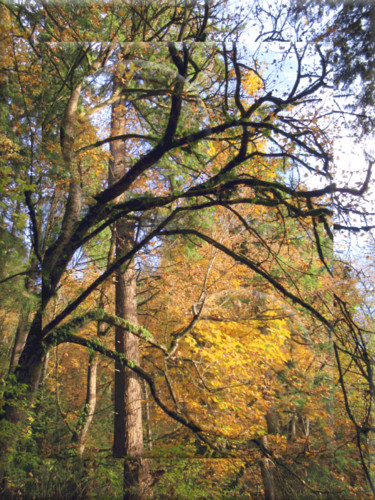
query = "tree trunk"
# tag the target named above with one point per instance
(28, 372)
(87, 414)
(19, 341)
(44, 368)
(29, 367)
(24, 317)
(128, 429)
(30, 363)
(128, 396)
(148, 415)
(273, 490)
(90, 404)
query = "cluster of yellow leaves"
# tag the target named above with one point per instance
(252, 83)
(234, 360)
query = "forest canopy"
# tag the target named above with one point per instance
(177, 319)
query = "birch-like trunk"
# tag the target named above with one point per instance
(90, 403)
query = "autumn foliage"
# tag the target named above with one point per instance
(165, 186)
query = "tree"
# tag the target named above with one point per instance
(205, 139)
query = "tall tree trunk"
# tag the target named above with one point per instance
(128, 429)
(29, 368)
(128, 396)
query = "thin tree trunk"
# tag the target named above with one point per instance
(87, 414)
(90, 403)
(148, 415)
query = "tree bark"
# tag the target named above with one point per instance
(87, 414)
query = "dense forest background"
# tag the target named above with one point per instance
(186, 268)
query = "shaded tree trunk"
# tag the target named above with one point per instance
(19, 341)
(27, 371)
(30, 363)
(267, 471)
(45, 368)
